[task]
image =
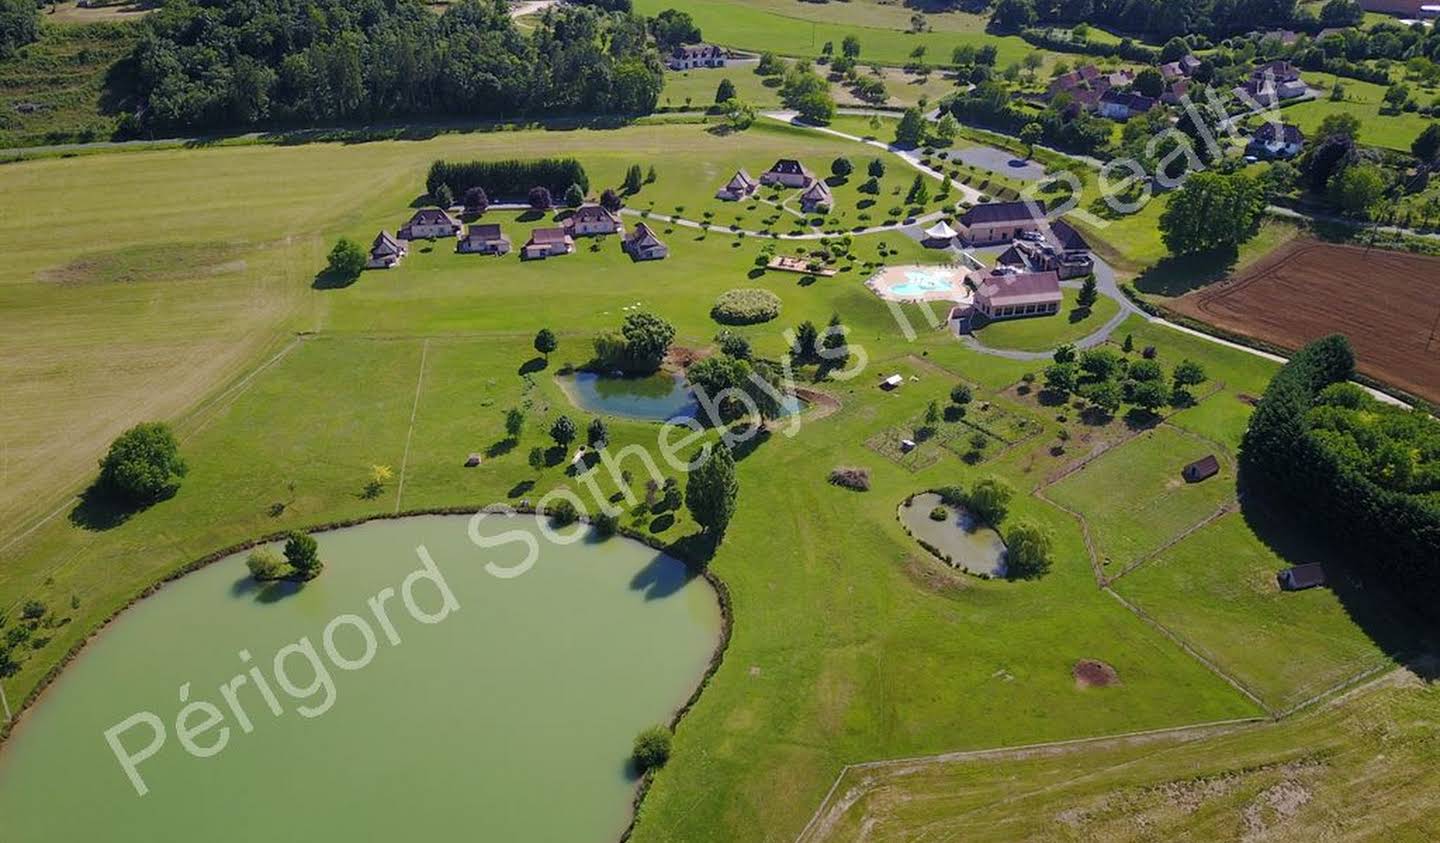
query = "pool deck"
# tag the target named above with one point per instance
(882, 283)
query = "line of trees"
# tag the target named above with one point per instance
(511, 179)
(1158, 18)
(219, 64)
(1360, 488)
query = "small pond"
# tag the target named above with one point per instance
(970, 545)
(663, 396)
(509, 716)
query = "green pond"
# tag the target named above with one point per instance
(506, 711)
(663, 396)
(969, 544)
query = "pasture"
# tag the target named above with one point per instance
(849, 642)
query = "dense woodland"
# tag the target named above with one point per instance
(213, 64)
(1366, 473)
(1162, 18)
(19, 25)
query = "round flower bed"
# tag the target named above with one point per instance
(746, 306)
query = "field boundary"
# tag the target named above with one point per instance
(1193, 731)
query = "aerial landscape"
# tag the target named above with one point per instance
(719, 420)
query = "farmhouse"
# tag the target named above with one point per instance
(1273, 82)
(787, 172)
(1202, 469)
(1000, 222)
(593, 219)
(1302, 577)
(385, 252)
(546, 242)
(740, 186)
(687, 56)
(816, 197)
(485, 239)
(642, 244)
(1087, 77)
(430, 224)
(1276, 140)
(1122, 105)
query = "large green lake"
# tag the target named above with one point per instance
(508, 718)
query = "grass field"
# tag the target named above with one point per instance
(849, 642)
(1341, 772)
(1363, 100)
(1155, 506)
(1045, 333)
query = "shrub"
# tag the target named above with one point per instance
(951, 495)
(346, 260)
(939, 513)
(33, 610)
(961, 394)
(745, 306)
(265, 564)
(562, 512)
(605, 524)
(851, 477)
(303, 555)
(989, 499)
(652, 748)
(1027, 550)
(143, 464)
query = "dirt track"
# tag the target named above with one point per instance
(1387, 303)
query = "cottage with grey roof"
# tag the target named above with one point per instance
(643, 245)
(787, 172)
(385, 251)
(486, 239)
(430, 224)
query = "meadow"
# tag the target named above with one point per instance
(850, 643)
(1379, 126)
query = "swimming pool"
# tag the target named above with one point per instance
(908, 283)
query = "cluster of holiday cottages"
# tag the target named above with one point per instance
(815, 196)
(641, 243)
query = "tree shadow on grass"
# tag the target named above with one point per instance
(531, 216)
(98, 509)
(1398, 631)
(500, 448)
(533, 365)
(520, 488)
(329, 279)
(1140, 419)
(1079, 314)
(1178, 275)
(752, 441)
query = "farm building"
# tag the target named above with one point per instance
(687, 56)
(816, 196)
(1008, 295)
(385, 252)
(642, 244)
(740, 186)
(485, 239)
(787, 172)
(430, 224)
(1302, 576)
(593, 219)
(1000, 222)
(547, 242)
(1202, 469)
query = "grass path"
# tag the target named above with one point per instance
(410, 431)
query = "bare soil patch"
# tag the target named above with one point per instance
(1093, 673)
(1387, 303)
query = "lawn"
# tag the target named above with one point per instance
(846, 646)
(1217, 590)
(1043, 333)
(1364, 101)
(696, 87)
(1133, 498)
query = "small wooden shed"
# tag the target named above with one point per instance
(1202, 469)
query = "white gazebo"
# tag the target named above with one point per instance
(942, 233)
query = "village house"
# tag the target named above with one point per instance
(430, 224)
(1175, 92)
(740, 186)
(1182, 68)
(787, 172)
(642, 244)
(687, 56)
(1122, 105)
(591, 220)
(1062, 251)
(486, 239)
(1276, 140)
(816, 197)
(1081, 78)
(1004, 294)
(1273, 82)
(547, 242)
(999, 222)
(385, 252)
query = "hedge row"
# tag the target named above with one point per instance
(1397, 534)
(507, 179)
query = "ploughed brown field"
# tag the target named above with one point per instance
(1387, 303)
